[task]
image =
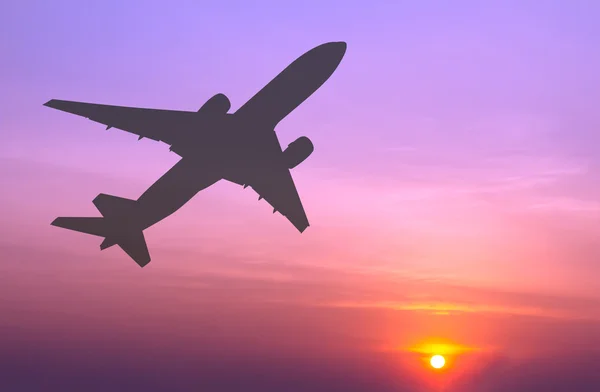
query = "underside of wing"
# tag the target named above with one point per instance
(155, 124)
(276, 186)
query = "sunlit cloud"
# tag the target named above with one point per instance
(454, 308)
(442, 348)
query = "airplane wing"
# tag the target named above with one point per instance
(155, 124)
(277, 187)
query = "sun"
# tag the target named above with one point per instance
(437, 361)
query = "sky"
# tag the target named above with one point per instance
(453, 199)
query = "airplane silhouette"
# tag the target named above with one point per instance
(240, 147)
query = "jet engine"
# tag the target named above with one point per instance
(297, 152)
(219, 103)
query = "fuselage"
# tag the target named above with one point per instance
(170, 192)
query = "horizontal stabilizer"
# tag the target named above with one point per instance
(132, 241)
(93, 226)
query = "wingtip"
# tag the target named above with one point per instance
(51, 103)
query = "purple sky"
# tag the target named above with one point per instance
(461, 135)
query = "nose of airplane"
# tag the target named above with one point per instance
(339, 48)
(342, 46)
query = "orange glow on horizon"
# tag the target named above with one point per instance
(448, 348)
(440, 355)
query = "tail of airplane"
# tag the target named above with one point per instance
(117, 225)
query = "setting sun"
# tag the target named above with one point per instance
(437, 361)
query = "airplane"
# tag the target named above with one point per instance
(240, 147)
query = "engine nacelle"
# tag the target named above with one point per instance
(219, 103)
(297, 152)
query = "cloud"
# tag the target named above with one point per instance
(116, 368)
(567, 205)
(570, 371)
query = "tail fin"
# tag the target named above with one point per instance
(115, 226)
